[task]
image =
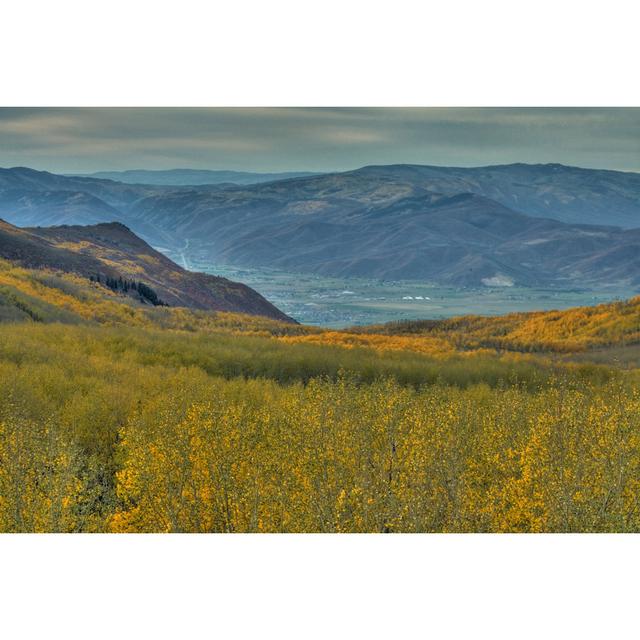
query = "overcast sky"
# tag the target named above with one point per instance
(86, 140)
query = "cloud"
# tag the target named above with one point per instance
(266, 139)
(350, 136)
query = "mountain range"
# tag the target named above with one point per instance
(530, 225)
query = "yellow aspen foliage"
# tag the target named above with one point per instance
(40, 486)
(127, 418)
(338, 457)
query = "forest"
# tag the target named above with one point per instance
(118, 416)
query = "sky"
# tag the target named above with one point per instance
(74, 140)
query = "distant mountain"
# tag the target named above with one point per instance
(463, 240)
(42, 208)
(112, 251)
(24, 180)
(568, 194)
(195, 177)
(40, 198)
(510, 224)
(360, 224)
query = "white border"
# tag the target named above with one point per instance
(335, 52)
(292, 53)
(313, 586)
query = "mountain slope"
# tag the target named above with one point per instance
(113, 251)
(568, 194)
(462, 240)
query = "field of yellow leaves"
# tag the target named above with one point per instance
(122, 417)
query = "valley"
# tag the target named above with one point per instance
(342, 302)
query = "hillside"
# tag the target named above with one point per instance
(570, 330)
(111, 251)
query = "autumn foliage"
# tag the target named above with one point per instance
(122, 417)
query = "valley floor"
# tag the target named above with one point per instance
(342, 302)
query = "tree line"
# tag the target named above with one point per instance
(146, 293)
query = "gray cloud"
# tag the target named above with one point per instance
(264, 139)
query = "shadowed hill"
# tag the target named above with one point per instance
(113, 251)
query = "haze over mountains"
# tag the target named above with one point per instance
(195, 177)
(529, 225)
